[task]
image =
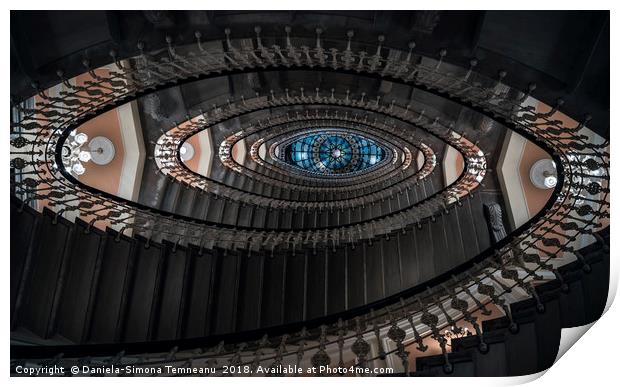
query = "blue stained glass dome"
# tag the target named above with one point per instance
(333, 153)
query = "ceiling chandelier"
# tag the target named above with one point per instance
(543, 174)
(76, 152)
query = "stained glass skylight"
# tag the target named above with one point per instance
(333, 152)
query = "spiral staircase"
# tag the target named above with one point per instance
(279, 258)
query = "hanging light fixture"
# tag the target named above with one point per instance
(186, 151)
(543, 174)
(73, 155)
(100, 150)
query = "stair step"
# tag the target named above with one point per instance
(142, 296)
(223, 318)
(250, 297)
(201, 295)
(111, 288)
(185, 204)
(24, 231)
(273, 290)
(169, 318)
(82, 265)
(35, 309)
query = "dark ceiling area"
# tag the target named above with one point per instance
(565, 53)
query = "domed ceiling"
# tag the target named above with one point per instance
(332, 153)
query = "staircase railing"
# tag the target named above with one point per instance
(170, 164)
(579, 205)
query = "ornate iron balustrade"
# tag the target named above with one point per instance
(301, 183)
(151, 225)
(579, 206)
(290, 132)
(168, 161)
(109, 85)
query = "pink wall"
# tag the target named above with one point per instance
(104, 177)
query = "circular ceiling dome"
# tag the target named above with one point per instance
(102, 150)
(333, 152)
